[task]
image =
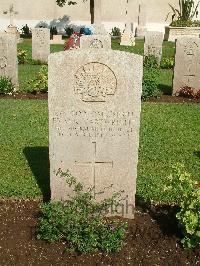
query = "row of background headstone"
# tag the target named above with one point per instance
(186, 67)
(94, 110)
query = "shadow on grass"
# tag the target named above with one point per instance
(164, 215)
(38, 159)
(167, 90)
(197, 153)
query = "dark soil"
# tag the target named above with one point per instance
(26, 96)
(44, 96)
(153, 239)
(173, 99)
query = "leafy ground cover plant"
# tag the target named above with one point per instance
(69, 31)
(21, 55)
(187, 23)
(167, 63)
(40, 82)
(80, 221)
(150, 78)
(53, 30)
(6, 85)
(189, 200)
(26, 31)
(116, 32)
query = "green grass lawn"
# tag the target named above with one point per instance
(168, 47)
(169, 135)
(27, 45)
(28, 72)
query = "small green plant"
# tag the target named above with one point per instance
(53, 30)
(69, 31)
(187, 23)
(116, 32)
(188, 197)
(21, 56)
(6, 85)
(26, 32)
(186, 12)
(40, 83)
(167, 63)
(80, 222)
(150, 78)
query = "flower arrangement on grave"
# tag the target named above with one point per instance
(73, 42)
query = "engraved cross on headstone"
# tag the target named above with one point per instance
(11, 13)
(191, 69)
(189, 78)
(95, 162)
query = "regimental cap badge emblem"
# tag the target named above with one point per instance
(97, 44)
(95, 82)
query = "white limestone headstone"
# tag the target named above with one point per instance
(57, 39)
(8, 56)
(94, 119)
(187, 64)
(153, 44)
(95, 42)
(13, 30)
(127, 37)
(40, 44)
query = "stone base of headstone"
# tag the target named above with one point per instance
(99, 29)
(141, 31)
(127, 39)
(57, 39)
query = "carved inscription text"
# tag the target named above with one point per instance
(94, 124)
(40, 38)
